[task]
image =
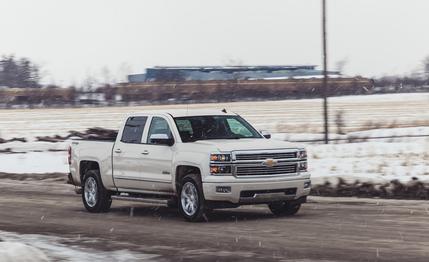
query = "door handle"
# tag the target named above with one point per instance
(145, 152)
(118, 151)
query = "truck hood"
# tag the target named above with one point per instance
(226, 145)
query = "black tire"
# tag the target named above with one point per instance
(200, 211)
(103, 200)
(284, 208)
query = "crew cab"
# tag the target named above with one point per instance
(195, 160)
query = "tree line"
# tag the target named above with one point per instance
(19, 72)
(23, 73)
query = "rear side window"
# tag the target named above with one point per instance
(133, 130)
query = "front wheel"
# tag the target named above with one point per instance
(95, 197)
(191, 199)
(284, 208)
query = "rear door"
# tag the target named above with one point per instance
(128, 168)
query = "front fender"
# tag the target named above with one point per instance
(195, 159)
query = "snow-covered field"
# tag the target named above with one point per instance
(376, 161)
(293, 120)
(370, 161)
(33, 247)
(291, 116)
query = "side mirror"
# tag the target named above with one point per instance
(265, 134)
(161, 139)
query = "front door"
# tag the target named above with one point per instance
(158, 158)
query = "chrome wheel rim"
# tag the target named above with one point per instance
(189, 199)
(90, 192)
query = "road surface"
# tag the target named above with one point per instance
(329, 229)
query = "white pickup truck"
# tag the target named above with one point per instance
(195, 160)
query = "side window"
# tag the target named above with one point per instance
(158, 126)
(133, 130)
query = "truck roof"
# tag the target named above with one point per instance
(186, 112)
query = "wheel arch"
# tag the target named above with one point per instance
(182, 171)
(86, 165)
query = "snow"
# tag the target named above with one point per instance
(369, 161)
(375, 160)
(292, 120)
(34, 162)
(316, 76)
(292, 116)
(32, 247)
(9, 251)
(380, 160)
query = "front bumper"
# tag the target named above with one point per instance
(256, 192)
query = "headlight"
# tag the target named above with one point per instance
(302, 154)
(217, 166)
(220, 157)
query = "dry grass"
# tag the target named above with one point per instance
(370, 125)
(342, 125)
(394, 189)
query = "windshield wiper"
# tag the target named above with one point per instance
(223, 137)
(213, 138)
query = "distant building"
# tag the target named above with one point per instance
(91, 98)
(225, 73)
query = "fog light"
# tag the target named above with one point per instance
(307, 184)
(223, 189)
(219, 170)
(303, 166)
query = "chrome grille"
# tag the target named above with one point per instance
(263, 156)
(264, 170)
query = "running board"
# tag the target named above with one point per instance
(143, 200)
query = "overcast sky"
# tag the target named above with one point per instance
(74, 38)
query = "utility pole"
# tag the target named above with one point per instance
(325, 74)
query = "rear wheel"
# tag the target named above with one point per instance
(284, 208)
(95, 197)
(192, 204)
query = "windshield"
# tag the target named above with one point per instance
(214, 127)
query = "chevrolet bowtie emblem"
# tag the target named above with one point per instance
(269, 162)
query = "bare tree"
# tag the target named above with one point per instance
(89, 83)
(341, 64)
(340, 122)
(106, 76)
(426, 68)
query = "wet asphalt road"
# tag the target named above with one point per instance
(330, 229)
